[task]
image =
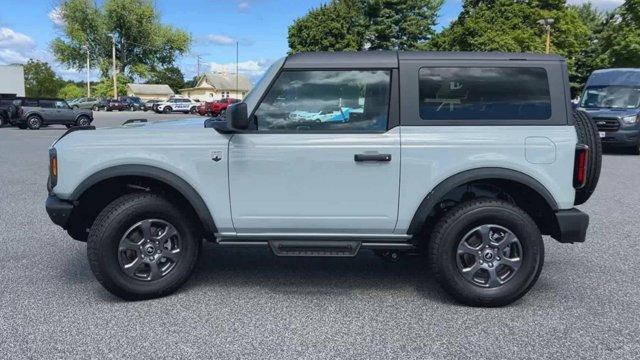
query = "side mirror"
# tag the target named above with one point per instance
(237, 117)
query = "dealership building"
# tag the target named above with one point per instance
(11, 80)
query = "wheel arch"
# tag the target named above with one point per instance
(491, 174)
(128, 174)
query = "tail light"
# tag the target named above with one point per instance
(580, 166)
(53, 167)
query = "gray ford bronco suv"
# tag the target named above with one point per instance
(467, 158)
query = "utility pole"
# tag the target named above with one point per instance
(237, 90)
(547, 23)
(115, 74)
(198, 57)
(88, 73)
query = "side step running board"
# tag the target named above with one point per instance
(319, 248)
(315, 248)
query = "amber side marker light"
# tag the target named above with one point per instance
(53, 167)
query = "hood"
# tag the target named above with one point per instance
(139, 133)
(610, 112)
(170, 124)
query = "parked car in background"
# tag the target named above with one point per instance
(177, 105)
(35, 113)
(8, 110)
(85, 103)
(115, 104)
(133, 103)
(219, 107)
(101, 104)
(611, 97)
(148, 105)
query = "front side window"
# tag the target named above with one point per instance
(348, 100)
(484, 93)
(61, 105)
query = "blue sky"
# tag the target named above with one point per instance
(260, 26)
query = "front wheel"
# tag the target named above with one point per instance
(486, 252)
(142, 246)
(166, 110)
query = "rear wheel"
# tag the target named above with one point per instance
(486, 252)
(142, 246)
(193, 110)
(588, 135)
(34, 122)
(83, 121)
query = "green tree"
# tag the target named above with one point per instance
(142, 41)
(104, 88)
(40, 80)
(170, 75)
(71, 91)
(507, 25)
(338, 25)
(620, 38)
(353, 25)
(401, 24)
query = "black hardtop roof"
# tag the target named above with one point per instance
(389, 59)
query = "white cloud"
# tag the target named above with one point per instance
(55, 15)
(15, 47)
(251, 68)
(598, 4)
(223, 40)
(244, 6)
(10, 39)
(8, 56)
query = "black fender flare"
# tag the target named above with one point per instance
(167, 177)
(435, 196)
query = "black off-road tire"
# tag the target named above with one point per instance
(3, 121)
(34, 122)
(450, 230)
(83, 120)
(588, 135)
(112, 223)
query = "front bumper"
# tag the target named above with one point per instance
(622, 137)
(572, 226)
(58, 210)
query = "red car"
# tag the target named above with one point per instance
(215, 108)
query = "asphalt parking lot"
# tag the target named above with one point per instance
(249, 304)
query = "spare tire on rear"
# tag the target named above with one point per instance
(588, 135)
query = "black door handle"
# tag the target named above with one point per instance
(371, 157)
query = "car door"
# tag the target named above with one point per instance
(47, 108)
(63, 112)
(292, 174)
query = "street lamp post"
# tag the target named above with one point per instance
(115, 74)
(547, 24)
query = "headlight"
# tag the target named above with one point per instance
(631, 119)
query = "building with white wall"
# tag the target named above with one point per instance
(12, 80)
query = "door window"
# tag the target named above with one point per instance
(61, 105)
(350, 101)
(47, 104)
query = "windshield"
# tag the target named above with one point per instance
(261, 86)
(613, 96)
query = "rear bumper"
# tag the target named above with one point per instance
(622, 137)
(58, 210)
(572, 226)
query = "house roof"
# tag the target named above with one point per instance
(151, 89)
(222, 81)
